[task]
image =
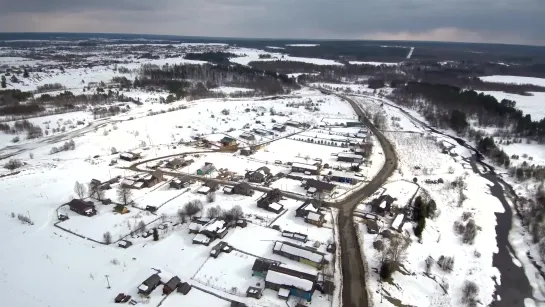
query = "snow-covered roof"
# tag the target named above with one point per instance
(138, 184)
(128, 155)
(348, 155)
(288, 280)
(304, 166)
(127, 182)
(314, 216)
(275, 206)
(143, 287)
(283, 292)
(397, 221)
(214, 226)
(204, 189)
(294, 250)
(194, 226)
(361, 135)
(201, 238)
(311, 190)
(383, 204)
(228, 189)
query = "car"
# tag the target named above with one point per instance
(307, 173)
(358, 175)
(63, 217)
(151, 208)
(277, 162)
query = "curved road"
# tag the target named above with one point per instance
(354, 288)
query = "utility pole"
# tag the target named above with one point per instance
(108, 281)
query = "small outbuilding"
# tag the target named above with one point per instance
(149, 284)
(184, 288)
(171, 285)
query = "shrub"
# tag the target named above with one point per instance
(13, 164)
(459, 227)
(420, 227)
(378, 245)
(446, 263)
(107, 236)
(387, 269)
(155, 234)
(15, 139)
(114, 261)
(25, 219)
(470, 290)
(467, 215)
(211, 197)
(429, 264)
(470, 232)
(182, 215)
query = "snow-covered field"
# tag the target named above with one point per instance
(514, 79)
(373, 63)
(533, 105)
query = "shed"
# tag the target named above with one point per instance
(254, 292)
(82, 207)
(184, 288)
(124, 244)
(149, 284)
(171, 285)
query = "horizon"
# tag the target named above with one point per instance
(227, 38)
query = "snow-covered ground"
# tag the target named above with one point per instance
(247, 55)
(373, 63)
(533, 105)
(514, 79)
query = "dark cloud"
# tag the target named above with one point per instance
(507, 21)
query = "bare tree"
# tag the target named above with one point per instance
(107, 237)
(211, 197)
(182, 215)
(214, 212)
(95, 191)
(141, 226)
(124, 195)
(237, 212)
(193, 207)
(79, 189)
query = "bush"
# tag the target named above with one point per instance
(378, 245)
(193, 207)
(214, 212)
(429, 264)
(211, 197)
(107, 236)
(386, 270)
(459, 227)
(420, 227)
(446, 263)
(155, 234)
(15, 139)
(182, 215)
(470, 232)
(25, 219)
(470, 291)
(432, 208)
(13, 164)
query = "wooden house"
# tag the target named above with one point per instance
(206, 169)
(260, 175)
(299, 284)
(184, 288)
(171, 285)
(149, 285)
(254, 292)
(228, 141)
(305, 168)
(303, 254)
(81, 207)
(243, 188)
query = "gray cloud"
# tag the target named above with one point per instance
(505, 21)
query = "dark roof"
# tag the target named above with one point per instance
(244, 185)
(173, 282)
(320, 185)
(80, 204)
(312, 202)
(153, 280)
(227, 139)
(184, 288)
(212, 184)
(261, 265)
(265, 169)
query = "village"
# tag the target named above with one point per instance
(254, 219)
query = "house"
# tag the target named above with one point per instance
(349, 157)
(279, 127)
(254, 292)
(129, 156)
(269, 201)
(298, 283)
(149, 285)
(175, 163)
(247, 136)
(261, 132)
(228, 141)
(397, 224)
(295, 236)
(293, 123)
(383, 204)
(171, 285)
(214, 229)
(219, 248)
(131, 184)
(260, 267)
(344, 177)
(206, 169)
(246, 151)
(184, 288)
(260, 175)
(303, 254)
(237, 304)
(124, 243)
(187, 162)
(353, 124)
(309, 210)
(81, 207)
(304, 168)
(242, 223)
(318, 189)
(152, 179)
(180, 183)
(243, 188)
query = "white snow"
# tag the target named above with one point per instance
(533, 105)
(514, 79)
(288, 280)
(302, 45)
(373, 63)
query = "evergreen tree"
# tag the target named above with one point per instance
(25, 73)
(3, 83)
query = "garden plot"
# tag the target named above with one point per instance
(287, 150)
(230, 272)
(107, 220)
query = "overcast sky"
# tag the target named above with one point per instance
(502, 21)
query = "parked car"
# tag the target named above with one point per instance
(63, 217)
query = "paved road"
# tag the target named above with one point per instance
(354, 288)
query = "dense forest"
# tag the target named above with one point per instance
(212, 57)
(197, 80)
